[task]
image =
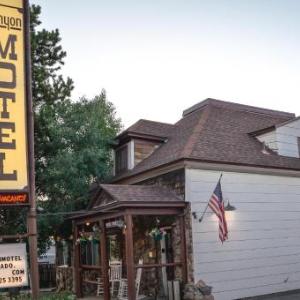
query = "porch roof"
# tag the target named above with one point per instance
(122, 192)
(113, 197)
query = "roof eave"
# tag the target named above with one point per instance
(128, 135)
(262, 131)
(120, 207)
(183, 162)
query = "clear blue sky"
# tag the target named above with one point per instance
(158, 57)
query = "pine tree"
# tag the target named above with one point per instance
(50, 91)
(72, 139)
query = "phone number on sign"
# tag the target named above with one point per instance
(11, 279)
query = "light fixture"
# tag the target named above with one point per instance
(124, 229)
(229, 207)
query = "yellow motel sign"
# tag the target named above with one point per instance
(13, 105)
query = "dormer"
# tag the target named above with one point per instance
(137, 143)
(283, 138)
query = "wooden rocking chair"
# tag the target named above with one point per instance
(115, 277)
(100, 287)
(123, 290)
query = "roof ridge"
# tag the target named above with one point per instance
(155, 122)
(104, 188)
(189, 146)
(140, 121)
(237, 106)
(287, 122)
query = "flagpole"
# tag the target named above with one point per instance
(202, 216)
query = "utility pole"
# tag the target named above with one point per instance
(31, 217)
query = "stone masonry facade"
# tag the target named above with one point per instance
(175, 181)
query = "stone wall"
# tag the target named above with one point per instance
(175, 181)
(143, 245)
(189, 243)
(64, 278)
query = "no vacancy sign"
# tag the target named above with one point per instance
(13, 265)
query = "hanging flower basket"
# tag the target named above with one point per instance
(81, 241)
(157, 233)
(96, 241)
(85, 237)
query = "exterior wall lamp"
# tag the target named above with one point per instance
(229, 207)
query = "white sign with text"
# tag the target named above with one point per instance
(13, 265)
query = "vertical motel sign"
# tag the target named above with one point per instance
(17, 182)
(14, 135)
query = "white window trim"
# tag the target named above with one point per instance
(130, 146)
(130, 156)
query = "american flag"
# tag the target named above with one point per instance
(216, 203)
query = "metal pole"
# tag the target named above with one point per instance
(31, 218)
(202, 216)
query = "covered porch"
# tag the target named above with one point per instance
(131, 244)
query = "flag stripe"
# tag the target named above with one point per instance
(217, 206)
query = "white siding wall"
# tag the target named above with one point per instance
(287, 139)
(284, 139)
(262, 254)
(269, 139)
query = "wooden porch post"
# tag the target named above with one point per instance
(129, 257)
(77, 271)
(183, 248)
(104, 261)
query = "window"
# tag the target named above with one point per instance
(299, 146)
(89, 252)
(121, 159)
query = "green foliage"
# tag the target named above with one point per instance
(81, 137)
(72, 139)
(50, 91)
(49, 87)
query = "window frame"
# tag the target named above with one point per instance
(121, 153)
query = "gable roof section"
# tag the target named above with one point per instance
(219, 132)
(274, 127)
(131, 194)
(148, 129)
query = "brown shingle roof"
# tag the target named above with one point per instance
(142, 193)
(219, 131)
(114, 194)
(146, 127)
(113, 197)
